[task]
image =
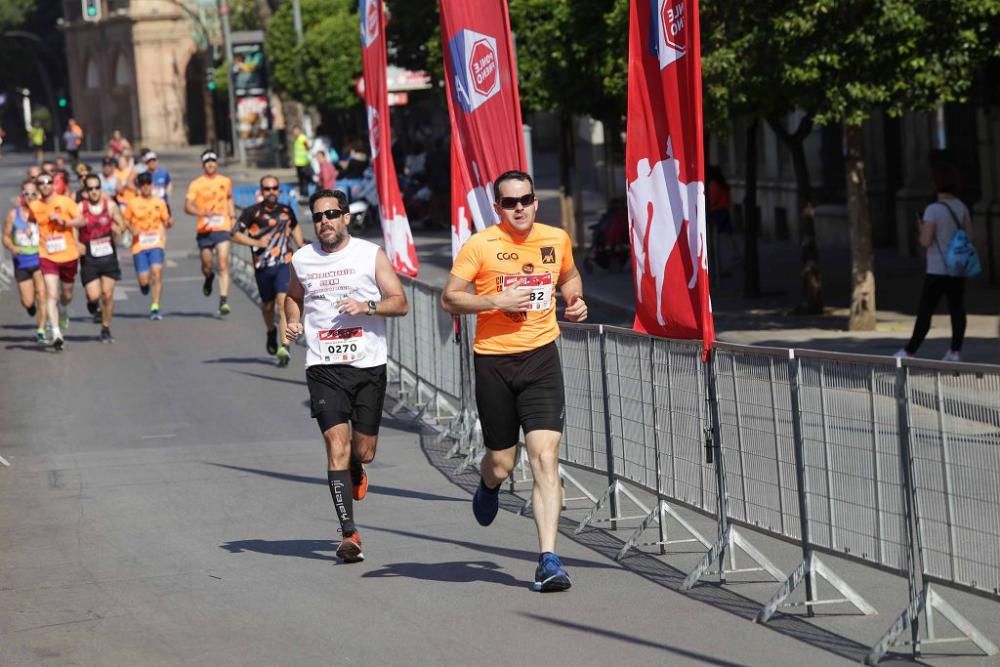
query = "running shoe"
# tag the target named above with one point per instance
(57, 343)
(359, 482)
(40, 337)
(284, 356)
(206, 287)
(272, 341)
(485, 504)
(154, 314)
(901, 353)
(952, 355)
(550, 575)
(96, 315)
(224, 308)
(64, 321)
(106, 335)
(350, 549)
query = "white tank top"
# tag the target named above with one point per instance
(332, 337)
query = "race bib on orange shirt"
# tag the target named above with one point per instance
(540, 296)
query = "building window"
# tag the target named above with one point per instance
(93, 79)
(123, 73)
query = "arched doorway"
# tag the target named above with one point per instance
(199, 101)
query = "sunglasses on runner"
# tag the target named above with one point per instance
(329, 214)
(92, 188)
(269, 188)
(510, 203)
(43, 181)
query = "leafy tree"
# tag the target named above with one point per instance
(13, 13)
(323, 70)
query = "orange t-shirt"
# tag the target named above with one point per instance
(56, 241)
(146, 215)
(493, 260)
(213, 195)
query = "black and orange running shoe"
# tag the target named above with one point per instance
(349, 550)
(359, 480)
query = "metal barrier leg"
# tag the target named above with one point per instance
(659, 514)
(612, 495)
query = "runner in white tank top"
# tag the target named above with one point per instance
(340, 291)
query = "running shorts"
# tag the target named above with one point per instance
(272, 281)
(145, 259)
(519, 391)
(21, 275)
(65, 270)
(211, 239)
(338, 394)
(91, 269)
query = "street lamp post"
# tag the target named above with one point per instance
(233, 120)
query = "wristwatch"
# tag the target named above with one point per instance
(371, 307)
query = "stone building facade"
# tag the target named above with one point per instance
(153, 38)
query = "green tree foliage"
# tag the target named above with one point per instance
(323, 70)
(13, 13)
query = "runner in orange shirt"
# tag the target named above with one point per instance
(210, 198)
(58, 218)
(515, 268)
(149, 219)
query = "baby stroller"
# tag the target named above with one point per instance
(609, 247)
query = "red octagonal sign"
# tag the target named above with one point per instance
(483, 67)
(673, 18)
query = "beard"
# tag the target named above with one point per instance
(338, 237)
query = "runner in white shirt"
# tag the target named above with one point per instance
(340, 291)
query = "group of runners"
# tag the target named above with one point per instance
(336, 292)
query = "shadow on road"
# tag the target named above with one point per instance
(372, 488)
(455, 572)
(242, 360)
(311, 549)
(301, 383)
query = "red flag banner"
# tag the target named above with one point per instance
(484, 108)
(664, 167)
(395, 225)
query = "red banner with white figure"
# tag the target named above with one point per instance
(484, 108)
(395, 225)
(664, 168)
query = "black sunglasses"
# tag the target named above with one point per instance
(329, 214)
(269, 188)
(91, 188)
(510, 203)
(43, 181)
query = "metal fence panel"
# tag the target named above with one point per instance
(630, 405)
(851, 449)
(404, 332)
(955, 443)
(680, 422)
(755, 412)
(583, 440)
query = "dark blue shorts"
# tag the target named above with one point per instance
(271, 281)
(145, 259)
(211, 239)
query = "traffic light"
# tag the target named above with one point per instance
(62, 102)
(210, 79)
(91, 10)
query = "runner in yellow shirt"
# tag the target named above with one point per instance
(515, 268)
(148, 219)
(210, 198)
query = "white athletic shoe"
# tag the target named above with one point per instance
(952, 355)
(901, 353)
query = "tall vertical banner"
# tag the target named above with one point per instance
(484, 107)
(395, 225)
(664, 167)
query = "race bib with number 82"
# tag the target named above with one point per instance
(540, 297)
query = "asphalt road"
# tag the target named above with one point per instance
(166, 504)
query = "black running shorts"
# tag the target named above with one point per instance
(515, 391)
(92, 269)
(341, 394)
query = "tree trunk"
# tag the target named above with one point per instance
(567, 158)
(751, 263)
(811, 302)
(264, 14)
(862, 314)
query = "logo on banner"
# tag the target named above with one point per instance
(368, 12)
(669, 38)
(477, 68)
(374, 129)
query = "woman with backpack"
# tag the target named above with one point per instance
(946, 233)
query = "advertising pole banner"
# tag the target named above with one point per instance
(395, 225)
(484, 107)
(664, 169)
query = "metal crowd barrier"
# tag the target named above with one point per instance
(887, 462)
(6, 283)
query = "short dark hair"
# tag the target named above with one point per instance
(145, 178)
(91, 176)
(267, 176)
(512, 175)
(326, 194)
(946, 178)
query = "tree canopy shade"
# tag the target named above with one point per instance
(323, 70)
(13, 13)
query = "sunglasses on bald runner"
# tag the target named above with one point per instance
(510, 203)
(329, 214)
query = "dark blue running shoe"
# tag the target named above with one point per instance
(550, 575)
(485, 504)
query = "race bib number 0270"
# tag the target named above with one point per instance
(342, 346)
(540, 297)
